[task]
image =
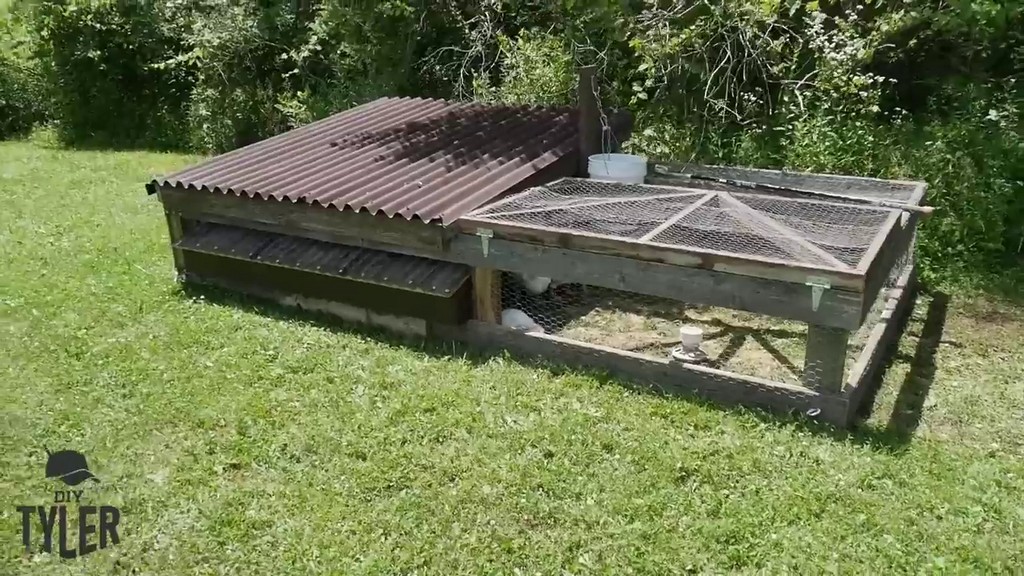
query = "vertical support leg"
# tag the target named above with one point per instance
(174, 229)
(487, 295)
(591, 137)
(825, 359)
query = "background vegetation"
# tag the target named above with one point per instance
(912, 89)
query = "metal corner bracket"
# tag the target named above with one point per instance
(485, 235)
(818, 286)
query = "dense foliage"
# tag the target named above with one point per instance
(23, 94)
(916, 89)
(20, 106)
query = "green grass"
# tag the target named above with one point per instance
(237, 438)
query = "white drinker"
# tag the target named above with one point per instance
(618, 168)
(691, 337)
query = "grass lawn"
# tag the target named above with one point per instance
(237, 438)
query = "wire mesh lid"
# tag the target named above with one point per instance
(759, 226)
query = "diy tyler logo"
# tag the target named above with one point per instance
(97, 525)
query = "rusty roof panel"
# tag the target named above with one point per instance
(419, 158)
(354, 263)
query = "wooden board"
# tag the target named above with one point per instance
(837, 308)
(757, 267)
(898, 241)
(854, 186)
(639, 371)
(487, 295)
(825, 358)
(249, 276)
(290, 218)
(589, 117)
(881, 341)
(175, 232)
(404, 325)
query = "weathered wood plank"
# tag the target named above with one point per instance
(487, 295)
(658, 375)
(851, 186)
(589, 120)
(404, 325)
(175, 232)
(897, 242)
(290, 218)
(838, 308)
(251, 275)
(678, 216)
(825, 358)
(758, 267)
(882, 341)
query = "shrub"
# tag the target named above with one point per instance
(912, 89)
(114, 71)
(262, 71)
(238, 77)
(536, 68)
(22, 97)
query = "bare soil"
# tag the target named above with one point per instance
(736, 341)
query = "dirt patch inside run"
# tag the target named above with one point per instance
(735, 341)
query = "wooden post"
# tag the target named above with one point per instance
(589, 118)
(303, 11)
(487, 295)
(174, 229)
(825, 358)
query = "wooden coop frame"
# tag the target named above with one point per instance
(707, 279)
(386, 153)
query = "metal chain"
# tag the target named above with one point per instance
(606, 131)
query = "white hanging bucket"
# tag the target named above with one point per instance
(618, 168)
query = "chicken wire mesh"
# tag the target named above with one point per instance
(822, 234)
(740, 342)
(735, 341)
(884, 301)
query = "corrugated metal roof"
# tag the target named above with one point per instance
(363, 264)
(416, 157)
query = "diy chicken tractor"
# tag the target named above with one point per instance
(468, 221)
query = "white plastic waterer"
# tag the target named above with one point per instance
(690, 339)
(617, 168)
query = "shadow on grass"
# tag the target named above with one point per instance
(907, 409)
(906, 413)
(896, 435)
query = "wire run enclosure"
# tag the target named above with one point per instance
(798, 293)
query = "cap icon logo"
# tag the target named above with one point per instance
(69, 466)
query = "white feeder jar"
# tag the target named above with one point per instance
(690, 339)
(618, 168)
